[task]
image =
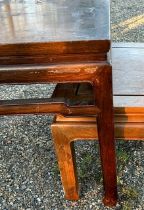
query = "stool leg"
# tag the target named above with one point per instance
(66, 161)
(103, 96)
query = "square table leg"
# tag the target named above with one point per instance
(105, 122)
(66, 161)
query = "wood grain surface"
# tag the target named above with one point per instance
(128, 72)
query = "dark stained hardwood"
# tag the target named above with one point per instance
(54, 48)
(64, 42)
(45, 106)
(134, 87)
(103, 94)
(128, 121)
(54, 31)
(51, 59)
(64, 73)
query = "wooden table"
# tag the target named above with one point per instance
(38, 37)
(61, 41)
(54, 31)
(128, 95)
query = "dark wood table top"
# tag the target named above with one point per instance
(53, 21)
(47, 31)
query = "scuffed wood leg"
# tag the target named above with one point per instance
(66, 161)
(103, 96)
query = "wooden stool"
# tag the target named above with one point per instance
(70, 47)
(129, 112)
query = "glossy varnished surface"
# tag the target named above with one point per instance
(128, 71)
(53, 20)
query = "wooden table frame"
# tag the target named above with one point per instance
(100, 76)
(128, 98)
(30, 54)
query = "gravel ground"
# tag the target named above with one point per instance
(29, 176)
(127, 18)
